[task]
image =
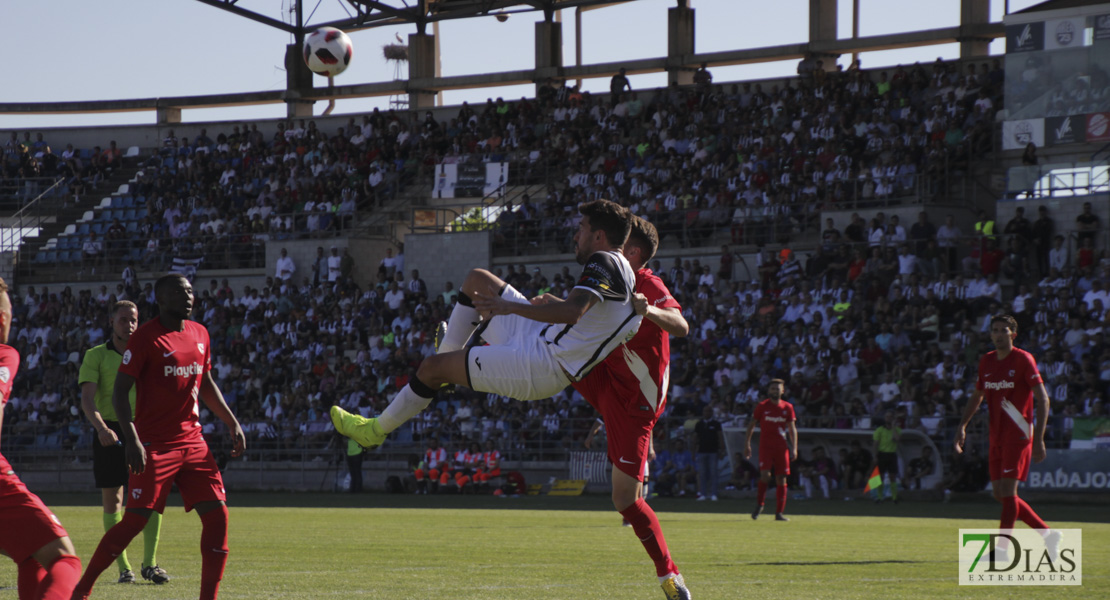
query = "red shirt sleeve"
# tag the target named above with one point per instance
(202, 333)
(657, 293)
(757, 415)
(1031, 375)
(790, 413)
(9, 366)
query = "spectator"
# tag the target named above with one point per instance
(333, 265)
(920, 467)
(1087, 224)
(617, 85)
(285, 267)
(708, 440)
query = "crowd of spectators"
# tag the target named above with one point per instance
(28, 164)
(876, 316)
(851, 340)
(758, 162)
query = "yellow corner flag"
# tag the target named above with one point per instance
(874, 482)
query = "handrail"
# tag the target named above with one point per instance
(57, 181)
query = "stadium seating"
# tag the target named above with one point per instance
(743, 322)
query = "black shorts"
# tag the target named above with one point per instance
(888, 463)
(109, 464)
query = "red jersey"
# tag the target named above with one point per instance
(643, 363)
(1007, 386)
(9, 366)
(434, 458)
(773, 417)
(492, 459)
(168, 367)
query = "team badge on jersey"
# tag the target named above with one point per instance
(5, 374)
(126, 357)
(200, 347)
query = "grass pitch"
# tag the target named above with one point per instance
(308, 546)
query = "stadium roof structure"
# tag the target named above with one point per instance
(378, 13)
(1058, 5)
(973, 33)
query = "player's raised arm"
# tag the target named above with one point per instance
(970, 409)
(567, 311)
(668, 319)
(214, 400)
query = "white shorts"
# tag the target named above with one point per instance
(517, 362)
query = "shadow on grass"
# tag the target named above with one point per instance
(979, 508)
(823, 563)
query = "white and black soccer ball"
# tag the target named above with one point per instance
(327, 51)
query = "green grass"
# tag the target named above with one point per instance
(420, 547)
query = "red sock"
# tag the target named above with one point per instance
(30, 574)
(213, 551)
(780, 498)
(115, 540)
(646, 526)
(1027, 516)
(61, 578)
(761, 492)
(1009, 512)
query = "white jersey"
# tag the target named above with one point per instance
(608, 324)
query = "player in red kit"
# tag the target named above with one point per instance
(1012, 386)
(29, 533)
(629, 389)
(778, 445)
(169, 359)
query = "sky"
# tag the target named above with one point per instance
(118, 49)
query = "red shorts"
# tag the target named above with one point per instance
(191, 466)
(628, 420)
(1010, 461)
(777, 461)
(26, 525)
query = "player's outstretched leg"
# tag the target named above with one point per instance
(464, 318)
(365, 432)
(114, 541)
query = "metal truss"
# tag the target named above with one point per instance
(378, 13)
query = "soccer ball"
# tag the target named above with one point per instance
(327, 51)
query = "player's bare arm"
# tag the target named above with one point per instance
(970, 409)
(566, 312)
(668, 319)
(214, 400)
(133, 449)
(106, 436)
(748, 438)
(545, 298)
(589, 441)
(1041, 403)
(793, 441)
